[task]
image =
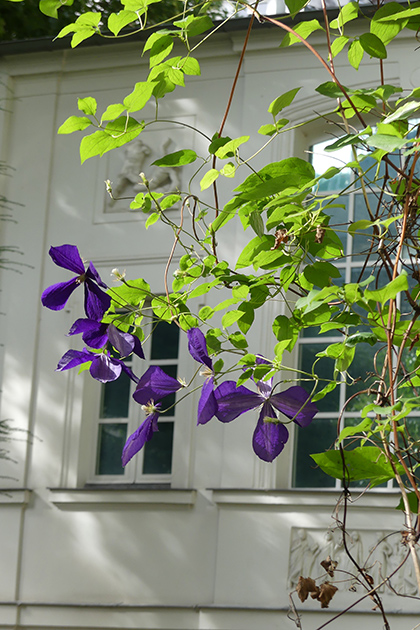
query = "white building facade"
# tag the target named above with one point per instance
(212, 538)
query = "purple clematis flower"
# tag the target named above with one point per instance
(270, 434)
(55, 297)
(97, 335)
(143, 434)
(152, 387)
(207, 405)
(104, 368)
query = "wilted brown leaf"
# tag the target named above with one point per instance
(326, 593)
(329, 566)
(306, 586)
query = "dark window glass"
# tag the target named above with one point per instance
(158, 452)
(111, 440)
(324, 369)
(165, 341)
(315, 438)
(116, 398)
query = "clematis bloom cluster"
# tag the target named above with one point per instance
(228, 401)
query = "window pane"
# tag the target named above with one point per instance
(315, 438)
(165, 341)
(324, 369)
(111, 440)
(158, 452)
(116, 398)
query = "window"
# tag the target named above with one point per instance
(119, 415)
(320, 435)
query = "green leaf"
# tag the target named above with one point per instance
(401, 15)
(230, 318)
(363, 224)
(282, 101)
(348, 13)
(179, 158)
(386, 143)
(330, 89)
(206, 312)
(169, 201)
(404, 112)
(389, 291)
(361, 337)
(139, 96)
(355, 54)
(320, 273)
(74, 123)
(267, 130)
(50, 7)
(295, 6)
(160, 45)
(229, 148)
(354, 430)
(245, 323)
(413, 502)
(248, 359)
(373, 45)
(87, 105)
(190, 66)
(133, 293)
(304, 29)
(195, 25)
(287, 173)
(256, 223)
(117, 21)
(209, 178)
(229, 170)
(386, 31)
(116, 134)
(112, 112)
(151, 219)
(338, 44)
(365, 462)
(238, 340)
(254, 247)
(285, 329)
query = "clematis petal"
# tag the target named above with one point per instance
(94, 275)
(197, 347)
(94, 334)
(264, 387)
(155, 384)
(207, 405)
(124, 343)
(73, 358)
(96, 301)
(295, 401)
(233, 401)
(68, 257)
(55, 297)
(104, 368)
(269, 437)
(138, 439)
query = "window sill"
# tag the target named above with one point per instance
(315, 498)
(121, 496)
(20, 496)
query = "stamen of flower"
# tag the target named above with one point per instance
(206, 372)
(269, 420)
(182, 382)
(150, 407)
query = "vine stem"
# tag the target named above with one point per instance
(226, 114)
